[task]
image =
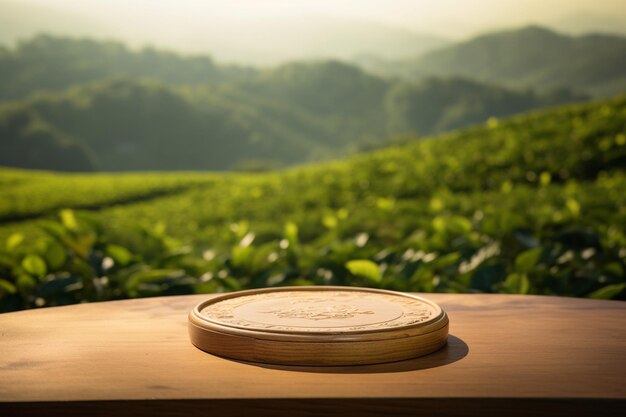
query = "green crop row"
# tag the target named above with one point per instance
(28, 195)
(535, 204)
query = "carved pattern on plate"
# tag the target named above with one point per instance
(335, 311)
(336, 305)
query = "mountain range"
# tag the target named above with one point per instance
(292, 114)
(529, 57)
(82, 104)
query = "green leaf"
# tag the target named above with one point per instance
(83, 243)
(120, 254)
(34, 265)
(7, 261)
(329, 221)
(608, 292)
(526, 261)
(301, 282)
(364, 268)
(386, 204)
(151, 275)
(446, 260)
(82, 268)
(439, 224)
(573, 206)
(459, 225)
(545, 178)
(291, 234)
(159, 229)
(422, 278)
(517, 284)
(454, 224)
(55, 255)
(436, 204)
(68, 219)
(25, 283)
(615, 268)
(241, 257)
(205, 287)
(240, 228)
(53, 229)
(7, 287)
(230, 283)
(14, 240)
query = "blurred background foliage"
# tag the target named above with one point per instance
(82, 105)
(495, 163)
(531, 205)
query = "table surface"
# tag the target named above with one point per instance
(548, 355)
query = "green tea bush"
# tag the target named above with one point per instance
(531, 205)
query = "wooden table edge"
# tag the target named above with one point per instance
(595, 404)
(488, 406)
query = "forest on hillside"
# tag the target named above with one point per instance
(86, 105)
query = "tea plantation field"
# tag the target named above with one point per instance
(533, 204)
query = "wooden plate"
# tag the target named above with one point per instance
(318, 326)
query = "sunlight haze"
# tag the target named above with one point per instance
(267, 31)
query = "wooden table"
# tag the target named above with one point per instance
(507, 355)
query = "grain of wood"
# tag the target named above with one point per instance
(517, 355)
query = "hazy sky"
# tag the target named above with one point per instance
(227, 27)
(445, 17)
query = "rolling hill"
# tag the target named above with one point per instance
(530, 57)
(178, 120)
(532, 204)
(47, 62)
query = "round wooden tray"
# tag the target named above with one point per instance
(318, 326)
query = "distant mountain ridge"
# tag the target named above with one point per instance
(48, 62)
(80, 104)
(530, 57)
(292, 114)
